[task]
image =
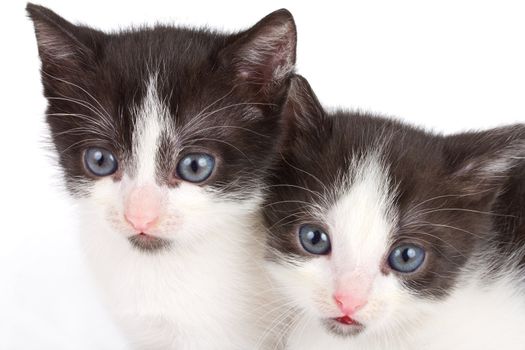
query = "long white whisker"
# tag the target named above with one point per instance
(82, 89)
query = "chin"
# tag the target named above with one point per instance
(149, 244)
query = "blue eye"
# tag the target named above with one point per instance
(195, 167)
(406, 258)
(314, 240)
(100, 162)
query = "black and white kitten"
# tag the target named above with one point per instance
(384, 236)
(164, 136)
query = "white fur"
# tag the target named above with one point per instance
(478, 314)
(362, 219)
(204, 292)
(152, 119)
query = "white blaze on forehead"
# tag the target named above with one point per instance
(362, 219)
(152, 118)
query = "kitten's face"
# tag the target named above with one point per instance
(164, 134)
(370, 222)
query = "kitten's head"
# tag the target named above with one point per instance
(164, 133)
(370, 222)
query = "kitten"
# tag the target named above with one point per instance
(164, 136)
(384, 236)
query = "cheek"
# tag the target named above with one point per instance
(104, 205)
(306, 284)
(105, 196)
(386, 296)
(188, 211)
(189, 200)
(191, 208)
(393, 308)
(311, 285)
(201, 212)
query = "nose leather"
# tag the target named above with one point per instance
(348, 304)
(143, 207)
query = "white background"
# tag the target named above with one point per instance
(445, 65)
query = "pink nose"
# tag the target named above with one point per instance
(348, 304)
(143, 208)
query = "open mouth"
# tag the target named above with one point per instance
(343, 326)
(148, 243)
(346, 320)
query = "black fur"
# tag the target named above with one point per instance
(87, 73)
(451, 182)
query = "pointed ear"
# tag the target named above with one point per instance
(62, 46)
(264, 55)
(302, 109)
(303, 114)
(482, 162)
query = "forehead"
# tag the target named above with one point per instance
(410, 159)
(105, 97)
(363, 217)
(159, 134)
(153, 124)
(161, 79)
(174, 51)
(183, 61)
(358, 167)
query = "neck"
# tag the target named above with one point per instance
(202, 287)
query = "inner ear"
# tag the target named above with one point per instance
(62, 45)
(264, 55)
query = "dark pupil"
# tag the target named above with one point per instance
(194, 165)
(99, 158)
(315, 237)
(407, 254)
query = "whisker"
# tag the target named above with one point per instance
(439, 239)
(225, 142)
(425, 223)
(196, 122)
(307, 173)
(84, 104)
(316, 193)
(289, 201)
(447, 196)
(234, 127)
(467, 210)
(78, 87)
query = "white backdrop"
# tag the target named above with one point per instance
(449, 66)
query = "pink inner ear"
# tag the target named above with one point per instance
(143, 208)
(270, 61)
(244, 74)
(267, 53)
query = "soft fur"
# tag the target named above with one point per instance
(152, 95)
(372, 183)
